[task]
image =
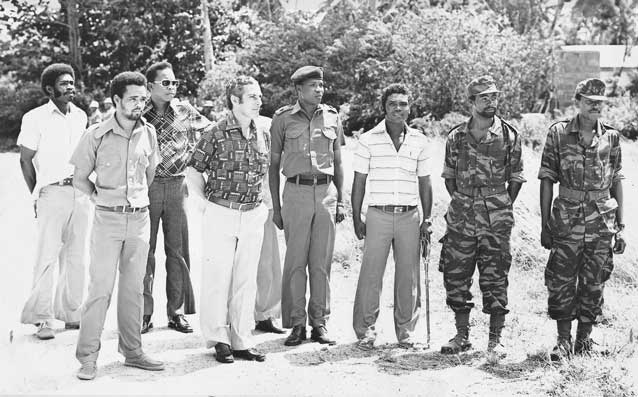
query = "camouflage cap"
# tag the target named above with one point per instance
(481, 85)
(593, 89)
(307, 72)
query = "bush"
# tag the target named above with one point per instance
(622, 114)
(15, 100)
(431, 127)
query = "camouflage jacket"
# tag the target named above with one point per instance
(489, 163)
(569, 161)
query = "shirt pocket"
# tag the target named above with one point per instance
(500, 212)
(457, 212)
(294, 140)
(109, 169)
(607, 209)
(564, 215)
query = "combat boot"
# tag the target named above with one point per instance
(564, 347)
(495, 349)
(583, 343)
(460, 342)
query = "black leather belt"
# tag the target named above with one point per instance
(395, 209)
(64, 182)
(122, 208)
(234, 205)
(310, 179)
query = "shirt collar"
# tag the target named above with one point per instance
(297, 107)
(231, 123)
(380, 128)
(112, 125)
(53, 108)
(573, 127)
(496, 129)
(150, 107)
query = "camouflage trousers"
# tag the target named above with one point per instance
(461, 254)
(575, 275)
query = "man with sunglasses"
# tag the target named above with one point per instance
(178, 127)
(309, 134)
(483, 173)
(583, 155)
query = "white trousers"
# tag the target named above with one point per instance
(62, 248)
(232, 242)
(268, 301)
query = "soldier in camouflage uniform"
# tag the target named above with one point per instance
(483, 173)
(583, 155)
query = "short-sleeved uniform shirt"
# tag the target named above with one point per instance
(567, 159)
(53, 135)
(119, 161)
(392, 175)
(178, 130)
(235, 165)
(308, 142)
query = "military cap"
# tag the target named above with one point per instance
(481, 85)
(593, 89)
(108, 100)
(306, 72)
(93, 104)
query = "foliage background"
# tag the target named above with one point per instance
(434, 46)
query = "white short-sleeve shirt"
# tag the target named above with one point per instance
(392, 175)
(54, 136)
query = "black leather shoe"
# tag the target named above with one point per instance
(178, 323)
(320, 335)
(146, 323)
(250, 355)
(223, 353)
(268, 326)
(297, 335)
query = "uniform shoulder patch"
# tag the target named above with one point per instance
(283, 109)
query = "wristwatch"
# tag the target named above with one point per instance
(620, 226)
(428, 221)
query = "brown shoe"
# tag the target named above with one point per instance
(320, 335)
(250, 355)
(297, 335)
(44, 332)
(144, 362)
(87, 371)
(178, 323)
(268, 326)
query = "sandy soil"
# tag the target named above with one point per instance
(28, 365)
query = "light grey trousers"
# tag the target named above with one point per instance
(401, 231)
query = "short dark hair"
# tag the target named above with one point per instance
(396, 88)
(151, 72)
(119, 82)
(236, 87)
(51, 73)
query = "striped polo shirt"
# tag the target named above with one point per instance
(392, 174)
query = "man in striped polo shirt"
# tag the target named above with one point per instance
(396, 159)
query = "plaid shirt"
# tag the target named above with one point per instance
(235, 166)
(178, 129)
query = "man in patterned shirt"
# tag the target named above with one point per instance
(233, 157)
(178, 125)
(583, 155)
(483, 174)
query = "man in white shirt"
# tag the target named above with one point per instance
(48, 136)
(393, 158)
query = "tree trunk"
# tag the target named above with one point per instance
(74, 36)
(559, 8)
(209, 58)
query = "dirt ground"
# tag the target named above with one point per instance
(28, 365)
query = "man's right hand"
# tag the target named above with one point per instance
(359, 228)
(278, 220)
(546, 238)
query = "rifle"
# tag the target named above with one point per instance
(425, 254)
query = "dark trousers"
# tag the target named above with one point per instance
(167, 204)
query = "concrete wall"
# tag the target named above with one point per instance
(574, 66)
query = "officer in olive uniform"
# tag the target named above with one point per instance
(583, 155)
(309, 135)
(483, 174)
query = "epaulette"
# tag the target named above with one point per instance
(330, 108)
(283, 109)
(609, 127)
(558, 122)
(508, 127)
(455, 127)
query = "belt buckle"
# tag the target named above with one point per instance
(123, 208)
(399, 209)
(314, 179)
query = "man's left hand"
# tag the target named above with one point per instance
(340, 214)
(620, 245)
(425, 229)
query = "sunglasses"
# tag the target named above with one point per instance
(168, 83)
